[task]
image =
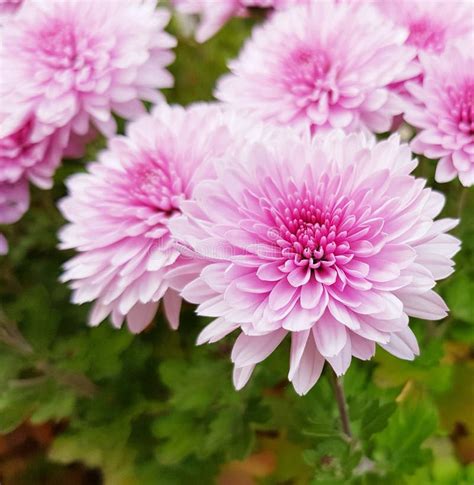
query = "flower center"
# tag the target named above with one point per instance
(462, 107)
(308, 234)
(426, 36)
(155, 183)
(58, 45)
(306, 72)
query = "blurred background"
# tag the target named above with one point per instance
(100, 406)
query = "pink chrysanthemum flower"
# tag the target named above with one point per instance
(27, 152)
(214, 14)
(74, 61)
(443, 110)
(432, 24)
(324, 66)
(120, 209)
(330, 241)
(14, 202)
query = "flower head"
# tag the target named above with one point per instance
(75, 61)
(120, 209)
(27, 152)
(324, 66)
(432, 24)
(443, 110)
(330, 240)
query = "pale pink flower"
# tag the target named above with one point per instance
(432, 24)
(215, 13)
(443, 110)
(330, 241)
(14, 201)
(325, 66)
(74, 61)
(120, 209)
(27, 152)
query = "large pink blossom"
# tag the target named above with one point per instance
(324, 66)
(330, 241)
(443, 110)
(215, 13)
(74, 61)
(120, 209)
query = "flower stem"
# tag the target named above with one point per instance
(338, 388)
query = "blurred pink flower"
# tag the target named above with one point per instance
(14, 201)
(331, 241)
(325, 66)
(120, 209)
(3, 245)
(215, 13)
(28, 152)
(443, 110)
(432, 24)
(75, 61)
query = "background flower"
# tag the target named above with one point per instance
(328, 65)
(337, 250)
(73, 61)
(119, 213)
(14, 202)
(27, 152)
(214, 14)
(432, 24)
(443, 110)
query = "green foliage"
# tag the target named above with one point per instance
(154, 409)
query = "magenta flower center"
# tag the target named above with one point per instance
(58, 45)
(156, 184)
(426, 36)
(306, 73)
(315, 235)
(69, 57)
(462, 107)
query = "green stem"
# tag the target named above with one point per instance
(338, 388)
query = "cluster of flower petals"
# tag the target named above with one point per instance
(443, 111)
(331, 241)
(67, 66)
(119, 212)
(327, 65)
(72, 62)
